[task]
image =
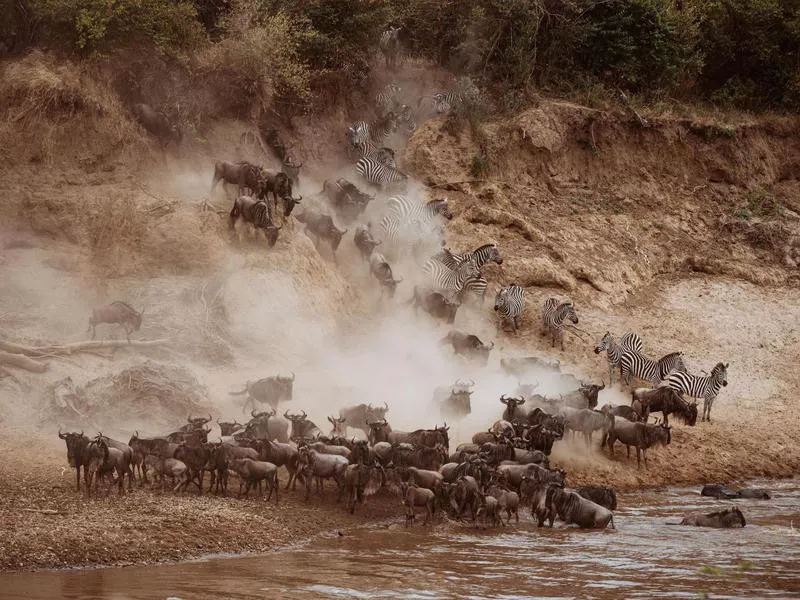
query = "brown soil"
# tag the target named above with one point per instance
(643, 228)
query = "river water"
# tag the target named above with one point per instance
(645, 557)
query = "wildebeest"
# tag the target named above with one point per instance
(316, 466)
(718, 491)
(265, 425)
(117, 312)
(195, 423)
(521, 366)
(602, 495)
(291, 169)
(585, 396)
(282, 455)
(346, 199)
(454, 402)
(537, 493)
(269, 390)
(513, 411)
(514, 474)
(302, 427)
(588, 421)
(103, 461)
(78, 454)
(622, 410)
(157, 124)
(723, 519)
(229, 427)
(256, 213)
(414, 496)
(574, 508)
(468, 345)
(507, 500)
(639, 435)
(380, 270)
(359, 415)
(280, 185)
(359, 479)
(252, 472)
(126, 459)
(168, 467)
(489, 508)
(364, 241)
(435, 304)
(243, 175)
(321, 227)
(756, 493)
(664, 400)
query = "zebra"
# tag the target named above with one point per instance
(444, 102)
(449, 282)
(390, 46)
(629, 341)
(654, 371)
(510, 304)
(406, 116)
(474, 289)
(383, 155)
(388, 99)
(358, 133)
(380, 129)
(706, 388)
(404, 213)
(553, 316)
(481, 255)
(379, 174)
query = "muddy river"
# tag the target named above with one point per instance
(645, 557)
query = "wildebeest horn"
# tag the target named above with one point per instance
(297, 200)
(385, 405)
(61, 435)
(286, 415)
(332, 422)
(304, 413)
(602, 387)
(492, 346)
(293, 375)
(471, 383)
(503, 399)
(253, 413)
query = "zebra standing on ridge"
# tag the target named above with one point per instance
(629, 341)
(390, 46)
(553, 317)
(510, 304)
(404, 213)
(449, 282)
(481, 255)
(379, 174)
(706, 388)
(653, 371)
(387, 100)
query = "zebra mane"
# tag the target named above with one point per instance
(436, 201)
(718, 367)
(482, 247)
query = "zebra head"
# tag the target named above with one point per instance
(493, 255)
(604, 344)
(720, 373)
(501, 299)
(440, 207)
(569, 312)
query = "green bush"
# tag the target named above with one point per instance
(100, 25)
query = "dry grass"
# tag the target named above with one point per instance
(46, 107)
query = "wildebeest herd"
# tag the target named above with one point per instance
(488, 479)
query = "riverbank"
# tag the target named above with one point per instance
(48, 525)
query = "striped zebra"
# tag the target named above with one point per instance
(706, 388)
(510, 304)
(553, 316)
(358, 133)
(379, 174)
(378, 131)
(390, 46)
(474, 290)
(444, 102)
(404, 213)
(388, 99)
(629, 341)
(449, 282)
(481, 255)
(383, 155)
(653, 371)
(406, 117)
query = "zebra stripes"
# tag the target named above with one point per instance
(377, 132)
(510, 304)
(449, 282)
(405, 213)
(481, 255)
(629, 341)
(379, 174)
(390, 46)
(474, 290)
(406, 116)
(444, 102)
(553, 316)
(388, 99)
(646, 369)
(383, 155)
(706, 388)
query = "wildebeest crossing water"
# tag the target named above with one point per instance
(645, 557)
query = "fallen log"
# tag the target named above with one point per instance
(23, 362)
(57, 349)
